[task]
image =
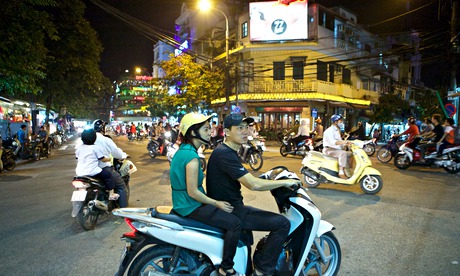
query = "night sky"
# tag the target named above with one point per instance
(124, 48)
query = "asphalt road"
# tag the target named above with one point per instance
(409, 228)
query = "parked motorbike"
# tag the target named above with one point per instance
(318, 168)
(13, 145)
(55, 140)
(91, 198)
(387, 152)
(172, 148)
(250, 154)
(36, 149)
(409, 155)
(300, 149)
(8, 159)
(259, 141)
(173, 244)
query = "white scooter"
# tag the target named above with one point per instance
(318, 168)
(162, 243)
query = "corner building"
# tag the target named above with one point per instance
(292, 62)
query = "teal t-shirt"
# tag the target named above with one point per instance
(183, 204)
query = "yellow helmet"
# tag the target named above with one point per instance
(191, 119)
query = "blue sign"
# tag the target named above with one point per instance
(314, 112)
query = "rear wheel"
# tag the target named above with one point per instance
(453, 169)
(315, 265)
(283, 150)
(308, 178)
(158, 260)
(255, 160)
(87, 217)
(384, 155)
(402, 161)
(371, 184)
(37, 151)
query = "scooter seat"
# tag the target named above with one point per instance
(87, 178)
(166, 213)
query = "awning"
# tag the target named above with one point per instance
(359, 106)
(340, 104)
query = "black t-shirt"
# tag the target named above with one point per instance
(224, 169)
(439, 131)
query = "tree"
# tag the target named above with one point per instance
(389, 107)
(195, 84)
(72, 66)
(25, 28)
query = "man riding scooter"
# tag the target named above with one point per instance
(333, 145)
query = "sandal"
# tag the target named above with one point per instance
(227, 273)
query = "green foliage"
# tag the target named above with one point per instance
(389, 107)
(196, 85)
(25, 28)
(52, 54)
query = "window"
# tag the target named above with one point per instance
(278, 70)
(297, 70)
(244, 29)
(321, 73)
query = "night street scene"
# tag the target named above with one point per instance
(230, 137)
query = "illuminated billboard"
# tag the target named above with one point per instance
(278, 20)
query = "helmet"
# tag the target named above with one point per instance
(336, 117)
(88, 136)
(411, 120)
(98, 125)
(191, 119)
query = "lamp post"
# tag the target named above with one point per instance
(204, 5)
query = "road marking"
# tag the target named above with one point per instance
(63, 148)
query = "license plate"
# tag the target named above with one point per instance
(78, 196)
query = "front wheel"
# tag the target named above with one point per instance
(384, 155)
(369, 149)
(330, 247)
(371, 184)
(255, 160)
(283, 150)
(9, 164)
(87, 217)
(158, 260)
(402, 161)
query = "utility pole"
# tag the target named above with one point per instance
(455, 50)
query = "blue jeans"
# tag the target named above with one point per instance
(120, 186)
(260, 220)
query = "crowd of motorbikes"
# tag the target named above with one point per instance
(35, 149)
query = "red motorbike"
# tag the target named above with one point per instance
(409, 155)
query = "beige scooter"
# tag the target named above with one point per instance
(318, 168)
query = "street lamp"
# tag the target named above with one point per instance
(205, 5)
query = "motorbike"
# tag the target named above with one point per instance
(55, 140)
(154, 147)
(260, 143)
(388, 151)
(8, 159)
(91, 198)
(163, 243)
(409, 155)
(318, 168)
(301, 148)
(172, 148)
(250, 154)
(368, 145)
(315, 144)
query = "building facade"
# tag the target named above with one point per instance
(298, 61)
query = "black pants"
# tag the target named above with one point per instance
(119, 186)
(106, 175)
(216, 217)
(260, 220)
